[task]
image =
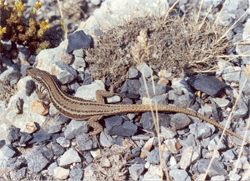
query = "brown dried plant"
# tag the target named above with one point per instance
(176, 44)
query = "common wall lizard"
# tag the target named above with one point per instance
(80, 109)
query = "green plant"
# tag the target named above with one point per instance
(14, 29)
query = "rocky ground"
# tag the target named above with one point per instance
(195, 64)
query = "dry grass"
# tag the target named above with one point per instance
(110, 165)
(7, 91)
(177, 44)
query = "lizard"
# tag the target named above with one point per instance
(80, 109)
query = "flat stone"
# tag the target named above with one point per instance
(70, 156)
(61, 173)
(208, 84)
(136, 170)
(178, 174)
(36, 161)
(217, 168)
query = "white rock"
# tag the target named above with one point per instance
(186, 157)
(61, 173)
(69, 157)
(88, 92)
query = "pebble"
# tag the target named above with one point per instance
(76, 174)
(208, 84)
(29, 127)
(153, 156)
(70, 156)
(178, 174)
(8, 151)
(171, 145)
(61, 173)
(200, 130)
(36, 161)
(63, 142)
(136, 170)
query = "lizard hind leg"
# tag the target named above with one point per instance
(97, 127)
(101, 94)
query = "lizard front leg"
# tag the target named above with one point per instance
(42, 94)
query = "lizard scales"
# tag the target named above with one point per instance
(80, 109)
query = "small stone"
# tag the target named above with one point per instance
(8, 151)
(136, 170)
(189, 141)
(171, 145)
(105, 162)
(208, 84)
(105, 141)
(156, 90)
(143, 155)
(200, 130)
(133, 73)
(76, 174)
(153, 157)
(113, 99)
(222, 103)
(234, 176)
(36, 161)
(61, 173)
(231, 74)
(214, 153)
(29, 127)
(214, 143)
(79, 64)
(78, 53)
(63, 142)
(64, 72)
(70, 156)
(55, 129)
(165, 74)
(25, 137)
(66, 58)
(186, 157)
(229, 155)
(75, 128)
(40, 107)
(178, 174)
(179, 121)
(115, 125)
(130, 88)
(148, 145)
(51, 168)
(163, 81)
(57, 149)
(95, 153)
(21, 173)
(217, 168)
(13, 134)
(218, 177)
(39, 138)
(96, 2)
(144, 69)
(78, 40)
(172, 162)
(82, 144)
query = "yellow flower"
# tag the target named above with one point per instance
(44, 25)
(2, 31)
(37, 5)
(20, 6)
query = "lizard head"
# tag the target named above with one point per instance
(35, 73)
